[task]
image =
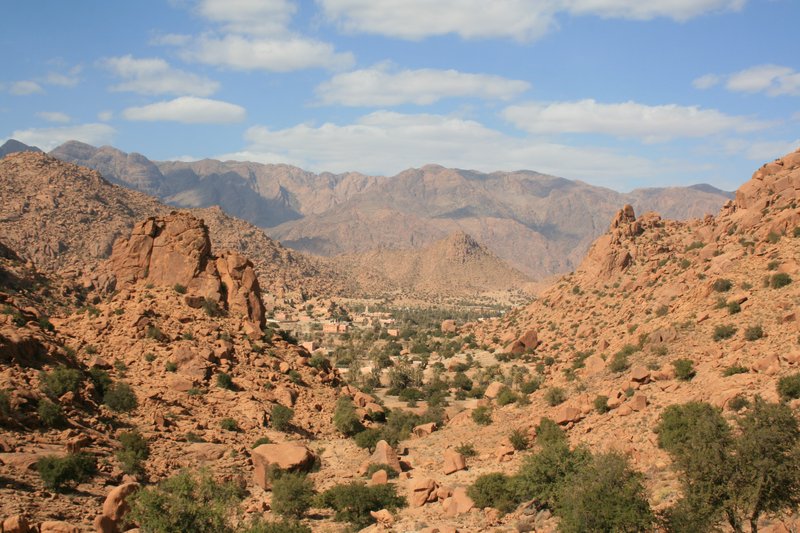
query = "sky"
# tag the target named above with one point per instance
(618, 93)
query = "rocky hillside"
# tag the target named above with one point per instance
(538, 224)
(65, 218)
(455, 267)
(661, 312)
(148, 355)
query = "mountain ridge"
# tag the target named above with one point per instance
(521, 216)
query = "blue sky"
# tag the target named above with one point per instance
(621, 93)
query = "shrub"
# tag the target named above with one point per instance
(619, 363)
(50, 413)
(60, 380)
(134, 451)
(58, 472)
(374, 467)
(261, 440)
(229, 424)
(738, 402)
(180, 289)
(549, 433)
(120, 398)
(684, 369)
(796, 232)
(292, 494)
(781, 279)
(733, 370)
(773, 265)
(211, 307)
(170, 366)
(789, 387)
(722, 285)
(100, 379)
(555, 396)
(505, 396)
(605, 495)
(662, 310)
(5, 405)
(531, 386)
(482, 415)
(368, 438)
(320, 363)
(185, 502)
(753, 333)
(467, 449)
(281, 417)
(540, 475)
(345, 418)
(193, 437)
(284, 526)
(733, 307)
(773, 237)
(461, 381)
(601, 404)
(224, 381)
(724, 331)
(494, 490)
(352, 502)
(519, 440)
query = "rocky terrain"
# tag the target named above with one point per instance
(541, 225)
(658, 313)
(177, 317)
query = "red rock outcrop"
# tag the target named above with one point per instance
(176, 250)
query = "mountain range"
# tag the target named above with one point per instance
(539, 224)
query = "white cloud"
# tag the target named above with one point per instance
(54, 116)
(25, 87)
(255, 35)
(680, 10)
(49, 138)
(381, 86)
(188, 110)
(386, 142)
(155, 76)
(523, 20)
(105, 116)
(277, 55)
(775, 80)
(627, 119)
(706, 81)
(64, 80)
(171, 39)
(253, 17)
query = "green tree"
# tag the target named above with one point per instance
(292, 494)
(606, 495)
(185, 502)
(738, 477)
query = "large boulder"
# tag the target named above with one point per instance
(453, 462)
(289, 456)
(115, 508)
(384, 454)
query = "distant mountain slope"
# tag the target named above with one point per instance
(66, 217)
(452, 267)
(539, 224)
(13, 146)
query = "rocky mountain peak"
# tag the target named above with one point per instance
(13, 146)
